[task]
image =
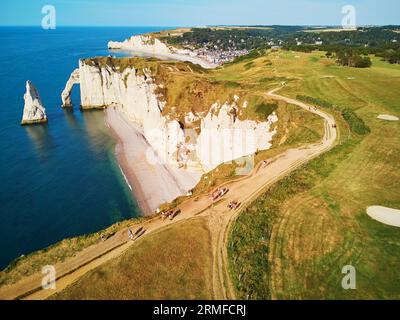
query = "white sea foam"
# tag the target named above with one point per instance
(125, 178)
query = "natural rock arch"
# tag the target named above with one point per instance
(66, 94)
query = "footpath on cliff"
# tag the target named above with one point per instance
(243, 190)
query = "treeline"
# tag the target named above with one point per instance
(225, 39)
(391, 55)
(351, 58)
(356, 124)
(253, 37)
(345, 56)
(373, 37)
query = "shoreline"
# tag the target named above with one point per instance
(132, 181)
(151, 184)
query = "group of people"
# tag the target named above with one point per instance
(234, 205)
(133, 236)
(170, 214)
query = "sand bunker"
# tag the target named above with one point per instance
(387, 117)
(385, 215)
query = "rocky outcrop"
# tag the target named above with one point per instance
(66, 94)
(223, 136)
(34, 112)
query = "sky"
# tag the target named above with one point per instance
(198, 12)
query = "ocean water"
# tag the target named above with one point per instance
(57, 180)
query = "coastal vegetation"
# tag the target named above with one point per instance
(174, 263)
(184, 87)
(59, 252)
(355, 123)
(293, 241)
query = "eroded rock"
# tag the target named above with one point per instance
(34, 111)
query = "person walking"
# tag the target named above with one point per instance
(130, 234)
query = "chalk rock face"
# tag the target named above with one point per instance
(34, 112)
(66, 94)
(134, 93)
(141, 43)
(223, 137)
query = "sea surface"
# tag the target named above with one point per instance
(61, 179)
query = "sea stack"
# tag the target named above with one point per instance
(34, 112)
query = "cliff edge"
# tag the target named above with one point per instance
(150, 46)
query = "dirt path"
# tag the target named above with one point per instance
(220, 218)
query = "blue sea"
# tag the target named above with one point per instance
(61, 179)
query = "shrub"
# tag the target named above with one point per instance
(315, 101)
(231, 84)
(356, 124)
(249, 65)
(265, 109)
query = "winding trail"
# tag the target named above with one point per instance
(244, 190)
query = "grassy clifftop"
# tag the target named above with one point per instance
(187, 87)
(161, 266)
(293, 241)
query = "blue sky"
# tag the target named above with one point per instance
(198, 12)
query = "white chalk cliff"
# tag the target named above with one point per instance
(223, 137)
(143, 45)
(34, 112)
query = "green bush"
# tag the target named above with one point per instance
(363, 62)
(249, 65)
(231, 84)
(315, 101)
(265, 109)
(356, 124)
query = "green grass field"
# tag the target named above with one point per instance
(172, 264)
(293, 242)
